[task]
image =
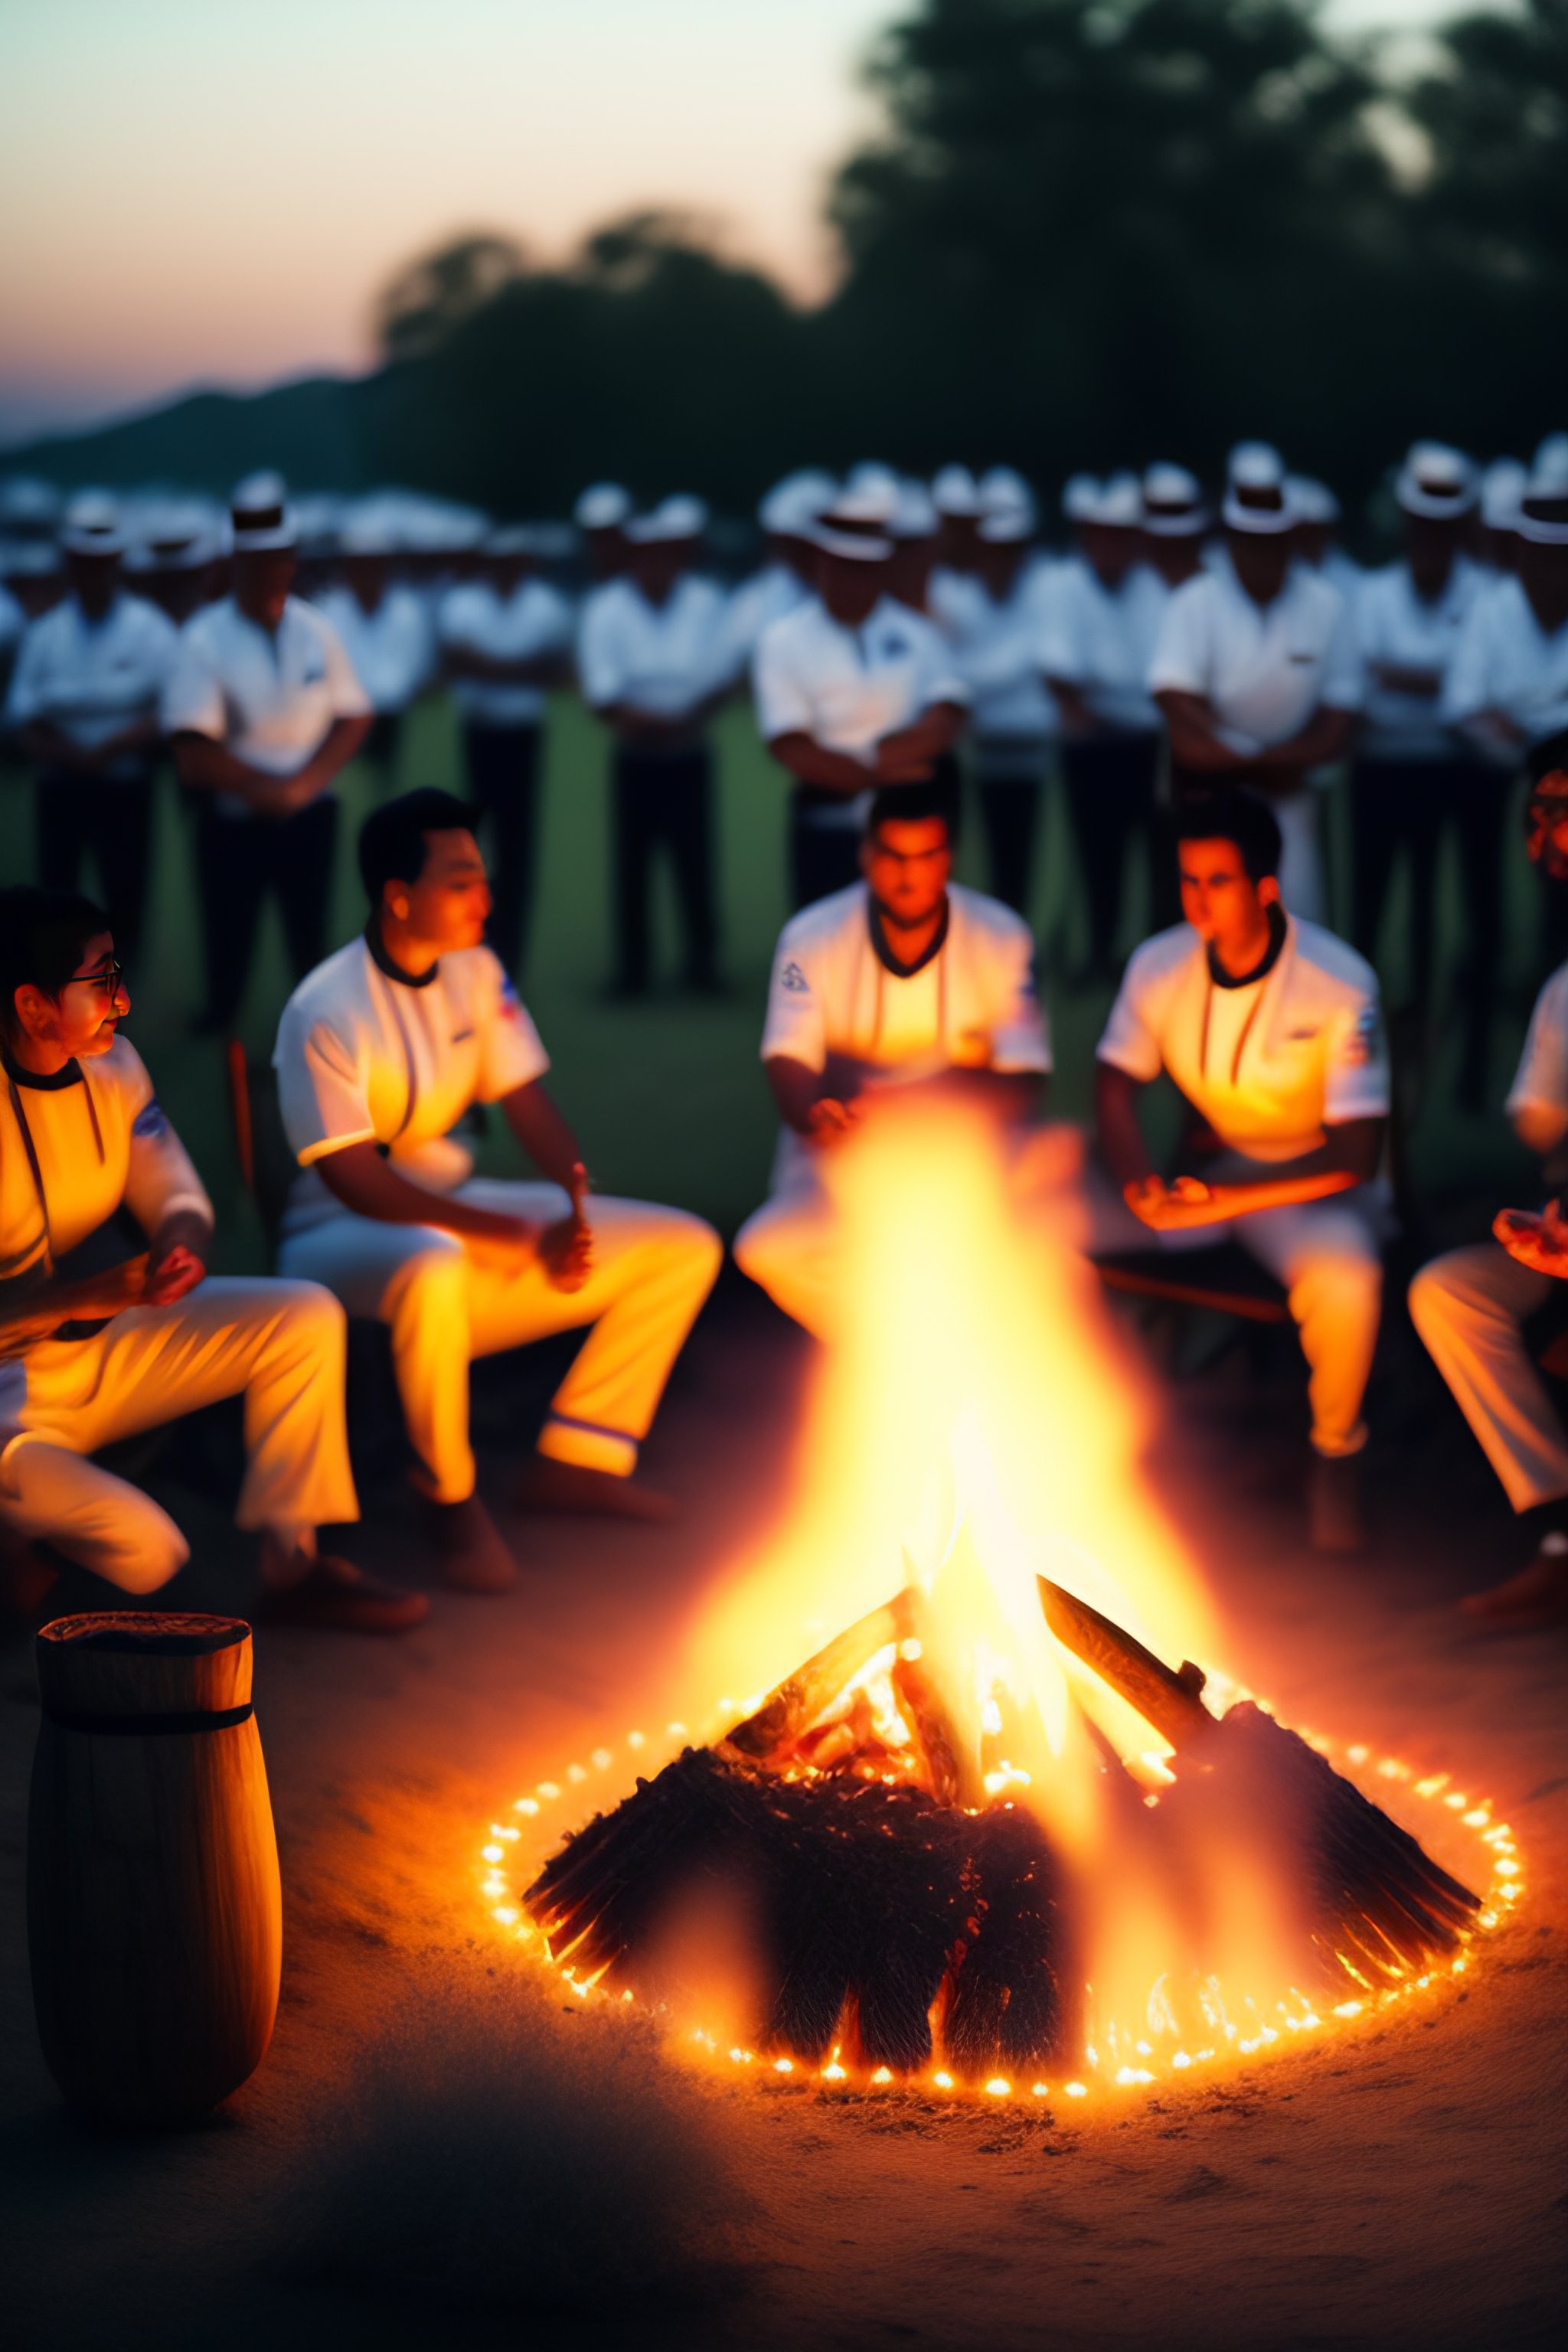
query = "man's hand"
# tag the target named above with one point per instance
(829, 1121)
(1176, 1207)
(177, 1260)
(567, 1252)
(1541, 1243)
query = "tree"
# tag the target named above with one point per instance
(431, 296)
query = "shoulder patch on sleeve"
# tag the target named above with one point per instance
(1363, 1039)
(150, 1120)
(511, 1002)
(793, 978)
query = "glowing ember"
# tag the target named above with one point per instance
(1032, 1830)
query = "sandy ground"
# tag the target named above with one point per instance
(433, 2153)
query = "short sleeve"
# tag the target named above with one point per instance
(348, 696)
(1131, 1040)
(1344, 676)
(24, 702)
(160, 1179)
(796, 1028)
(193, 696)
(511, 1052)
(1355, 1080)
(784, 708)
(600, 666)
(1020, 1035)
(322, 1087)
(1181, 663)
(1540, 1082)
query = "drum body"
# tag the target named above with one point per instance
(154, 1909)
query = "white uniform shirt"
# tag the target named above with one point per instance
(766, 597)
(1265, 670)
(995, 643)
(531, 625)
(1540, 1082)
(1269, 1066)
(1505, 661)
(363, 1058)
(90, 678)
(392, 650)
(834, 1003)
(848, 688)
(1102, 640)
(1397, 626)
(102, 1143)
(270, 699)
(667, 658)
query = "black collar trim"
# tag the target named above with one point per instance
(1260, 971)
(383, 962)
(884, 953)
(54, 1083)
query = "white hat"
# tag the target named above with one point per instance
(1003, 486)
(954, 491)
(510, 539)
(29, 559)
(370, 529)
(92, 525)
(258, 516)
(604, 506)
(1552, 458)
(1436, 481)
(1502, 487)
(1080, 498)
(1543, 509)
(28, 506)
(1313, 501)
(914, 514)
(1119, 506)
(1009, 526)
(176, 535)
(679, 518)
(1257, 497)
(1173, 502)
(791, 506)
(871, 479)
(869, 509)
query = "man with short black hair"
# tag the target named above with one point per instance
(380, 1052)
(905, 980)
(101, 1339)
(1271, 1030)
(266, 712)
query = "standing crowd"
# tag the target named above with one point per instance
(1195, 674)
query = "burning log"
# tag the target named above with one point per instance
(868, 1895)
(1378, 1905)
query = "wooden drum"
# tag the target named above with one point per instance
(154, 1910)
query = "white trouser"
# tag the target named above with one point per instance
(1469, 1308)
(653, 1267)
(282, 1343)
(1301, 854)
(790, 1246)
(1326, 1255)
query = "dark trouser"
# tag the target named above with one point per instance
(502, 765)
(1110, 784)
(81, 817)
(823, 858)
(382, 745)
(1010, 799)
(664, 801)
(1408, 804)
(239, 860)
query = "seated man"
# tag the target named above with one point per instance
(1271, 1030)
(903, 978)
(380, 1052)
(1470, 1306)
(92, 1349)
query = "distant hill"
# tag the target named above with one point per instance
(313, 429)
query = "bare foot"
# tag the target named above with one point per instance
(1538, 1595)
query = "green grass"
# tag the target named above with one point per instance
(667, 1096)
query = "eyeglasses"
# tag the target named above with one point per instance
(108, 979)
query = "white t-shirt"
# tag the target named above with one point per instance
(102, 1143)
(667, 658)
(89, 679)
(1269, 1066)
(1102, 640)
(1264, 669)
(392, 649)
(833, 1003)
(1397, 626)
(1505, 661)
(270, 699)
(848, 688)
(1541, 1081)
(363, 1058)
(995, 643)
(531, 624)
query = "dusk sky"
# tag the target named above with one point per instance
(211, 191)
